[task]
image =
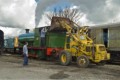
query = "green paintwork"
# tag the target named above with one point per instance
(41, 54)
(55, 40)
(37, 39)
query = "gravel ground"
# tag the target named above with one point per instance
(11, 69)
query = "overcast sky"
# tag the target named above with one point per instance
(95, 11)
(17, 15)
(22, 14)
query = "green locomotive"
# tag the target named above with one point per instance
(54, 42)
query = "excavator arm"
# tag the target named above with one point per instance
(69, 30)
(65, 23)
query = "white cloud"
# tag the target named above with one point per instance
(17, 13)
(44, 20)
(83, 21)
(94, 11)
(21, 13)
(99, 11)
(41, 7)
(11, 32)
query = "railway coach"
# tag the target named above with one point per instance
(109, 35)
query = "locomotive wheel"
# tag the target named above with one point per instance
(83, 61)
(65, 58)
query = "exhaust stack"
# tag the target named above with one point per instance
(27, 30)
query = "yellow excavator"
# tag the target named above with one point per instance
(80, 46)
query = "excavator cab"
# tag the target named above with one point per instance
(98, 52)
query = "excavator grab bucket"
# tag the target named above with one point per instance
(56, 26)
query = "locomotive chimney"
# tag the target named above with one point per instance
(27, 30)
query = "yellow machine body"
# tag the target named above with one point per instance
(78, 44)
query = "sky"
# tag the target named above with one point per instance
(95, 11)
(17, 15)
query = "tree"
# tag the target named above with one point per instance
(71, 13)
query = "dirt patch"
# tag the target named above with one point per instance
(59, 75)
